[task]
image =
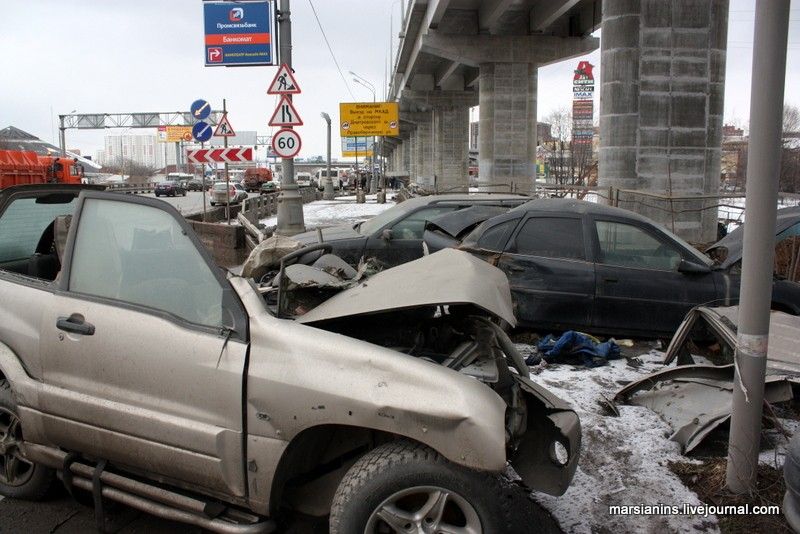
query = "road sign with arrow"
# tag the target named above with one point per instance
(200, 109)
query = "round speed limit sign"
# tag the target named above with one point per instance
(286, 143)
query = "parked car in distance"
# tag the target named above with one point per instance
(577, 265)
(373, 407)
(268, 187)
(303, 179)
(395, 236)
(192, 185)
(170, 189)
(221, 193)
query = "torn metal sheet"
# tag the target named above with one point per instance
(784, 333)
(448, 277)
(694, 399)
(268, 254)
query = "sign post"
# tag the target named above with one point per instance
(290, 204)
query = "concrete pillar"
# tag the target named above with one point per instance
(507, 134)
(423, 153)
(451, 154)
(661, 106)
(411, 156)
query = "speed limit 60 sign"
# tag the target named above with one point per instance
(286, 143)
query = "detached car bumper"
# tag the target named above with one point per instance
(554, 427)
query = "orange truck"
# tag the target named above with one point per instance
(254, 177)
(27, 167)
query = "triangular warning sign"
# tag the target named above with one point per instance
(285, 114)
(224, 128)
(284, 82)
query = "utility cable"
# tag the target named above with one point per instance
(331, 50)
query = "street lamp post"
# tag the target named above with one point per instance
(373, 186)
(328, 193)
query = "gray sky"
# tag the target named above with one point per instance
(147, 55)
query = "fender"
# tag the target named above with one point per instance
(300, 377)
(24, 387)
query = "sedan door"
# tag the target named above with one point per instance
(642, 287)
(552, 282)
(144, 347)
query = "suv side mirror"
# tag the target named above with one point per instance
(386, 235)
(690, 267)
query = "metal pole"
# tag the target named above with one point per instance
(290, 203)
(763, 167)
(62, 136)
(328, 192)
(177, 155)
(203, 181)
(227, 178)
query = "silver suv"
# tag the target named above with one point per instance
(145, 374)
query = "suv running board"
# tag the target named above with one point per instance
(151, 499)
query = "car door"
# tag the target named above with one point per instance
(144, 347)
(552, 282)
(640, 289)
(404, 242)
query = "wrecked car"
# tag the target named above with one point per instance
(142, 373)
(395, 236)
(577, 265)
(696, 398)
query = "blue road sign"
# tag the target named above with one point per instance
(200, 110)
(202, 131)
(237, 33)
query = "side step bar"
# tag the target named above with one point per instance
(150, 499)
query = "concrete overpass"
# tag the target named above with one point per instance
(663, 64)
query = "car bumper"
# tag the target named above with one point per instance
(547, 455)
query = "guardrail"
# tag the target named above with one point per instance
(256, 208)
(131, 188)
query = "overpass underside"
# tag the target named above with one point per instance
(661, 95)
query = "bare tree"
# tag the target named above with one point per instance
(570, 162)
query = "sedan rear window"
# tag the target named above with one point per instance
(551, 237)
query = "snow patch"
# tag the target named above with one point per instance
(342, 210)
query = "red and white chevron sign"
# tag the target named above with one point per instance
(219, 155)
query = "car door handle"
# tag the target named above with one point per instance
(515, 268)
(75, 324)
(610, 280)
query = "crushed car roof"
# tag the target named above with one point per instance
(447, 277)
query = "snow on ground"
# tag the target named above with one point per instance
(624, 460)
(342, 210)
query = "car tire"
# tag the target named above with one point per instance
(407, 477)
(33, 481)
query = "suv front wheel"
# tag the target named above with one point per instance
(19, 478)
(407, 487)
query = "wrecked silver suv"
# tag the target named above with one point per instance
(139, 371)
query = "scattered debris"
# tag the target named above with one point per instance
(575, 346)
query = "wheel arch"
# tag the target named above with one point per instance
(318, 458)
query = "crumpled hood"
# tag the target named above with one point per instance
(447, 277)
(734, 241)
(333, 233)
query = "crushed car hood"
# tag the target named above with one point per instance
(734, 241)
(448, 277)
(333, 233)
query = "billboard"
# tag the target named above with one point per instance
(174, 134)
(583, 104)
(369, 119)
(353, 147)
(237, 33)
